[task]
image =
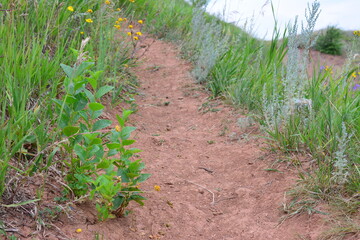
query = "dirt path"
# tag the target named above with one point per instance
(211, 171)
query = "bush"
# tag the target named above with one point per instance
(330, 42)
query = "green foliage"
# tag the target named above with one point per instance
(93, 148)
(330, 42)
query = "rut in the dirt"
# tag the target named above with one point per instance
(211, 172)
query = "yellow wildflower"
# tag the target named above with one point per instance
(118, 9)
(120, 19)
(90, 11)
(117, 128)
(354, 75)
(129, 33)
(131, 0)
(130, 26)
(141, 21)
(125, 65)
(117, 22)
(89, 20)
(79, 230)
(117, 26)
(139, 33)
(125, 19)
(82, 33)
(136, 38)
(70, 8)
(157, 188)
(107, 2)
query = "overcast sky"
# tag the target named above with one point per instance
(344, 14)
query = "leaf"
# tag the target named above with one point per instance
(105, 163)
(117, 202)
(83, 67)
(80, 152)
(125, 132)
(96, 114)
(132, 175)
(138, 199)
(94, 78)
(96, 106)
(127, 142)
(96, 141)
(135, 166)
(113, 145)
(143, 177)
(102, 91)
(100, 124)
(133, 150)
(81, 102)
(126, 114)
(123, 174)
(70, 130)
(120, 120)
(89, 95)
(69, 71)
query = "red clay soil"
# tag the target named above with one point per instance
(212, 172)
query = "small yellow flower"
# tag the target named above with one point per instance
(117, 26)
(129, 33)
(120, 19)
(125, 19)
(131, 0)
(125, 65)
(357, 32)
(79, 230)
(354, 75)
(157, 188)
(117, 128)
(118, 9)
(136, 38)
(89, 20)
(141, 21)
(139, 33)
(130, 26)
(70, 8)
(82, 33)
(90, 11)
(107, 2)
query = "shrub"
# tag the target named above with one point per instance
(330, 42)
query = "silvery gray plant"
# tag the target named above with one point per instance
(340, 172)
(295, 73)
(208, 42)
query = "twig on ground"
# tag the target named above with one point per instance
(206, 169)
